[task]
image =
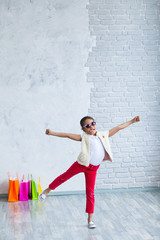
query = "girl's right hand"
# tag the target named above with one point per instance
(48, 131)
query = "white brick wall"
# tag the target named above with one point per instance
(124, 70)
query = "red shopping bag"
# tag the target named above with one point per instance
(13, 190)
(24, 190)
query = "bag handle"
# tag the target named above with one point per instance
(17, 175)
(22, 178)
(9, 176)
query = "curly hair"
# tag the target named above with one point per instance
(84, 119)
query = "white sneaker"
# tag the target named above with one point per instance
(42, 197)
(91, 225)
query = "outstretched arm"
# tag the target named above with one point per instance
(123, 125)
(72, 136)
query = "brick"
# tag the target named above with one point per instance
(93, 6)
(138, 174)
(105, 17)
(105, 170)
(97, 100)
(104, 89)
(101, 59)
(96, 69)
(115, 94)
(116, 12)
(111, 180)
(104, 186)
(152, 17)
(152, 173)
(93, 54)
(121, 170)
(120, 186)
(108, 22)
(111, 175)
(132, 12)
(95, 111)
(123, 22)
(97, 1)
(123, 175)
(93, 105)
(91, 59)
(142, 179)
(94, 22)
(127, 48)
(155, 164)
(109, 74)
(107, 6)
(128, 165)
(153, 184)
(100, 84)
(126, 180)
(124, 38)
(151, 2)
(95, 74)
(92, 64)
(116, 27)
(142, 164)
(136, 185)
(155, 179)
(91, 12)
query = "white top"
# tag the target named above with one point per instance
(97, 151)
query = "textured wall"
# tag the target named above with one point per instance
(124, 68)
(44, 84)
(44, 47)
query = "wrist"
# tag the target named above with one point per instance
(133, 120)
(52, 133)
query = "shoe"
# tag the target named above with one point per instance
(91, 225)
(42, 197)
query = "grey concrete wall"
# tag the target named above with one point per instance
(124, 68)
(44, 47)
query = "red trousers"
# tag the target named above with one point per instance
(90, 173)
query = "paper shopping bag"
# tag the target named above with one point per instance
(13, 190)
(39, 187)
(24, 190)
(34, 189)
(30, 189)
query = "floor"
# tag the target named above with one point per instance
(118, 216)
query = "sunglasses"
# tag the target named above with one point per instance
(89, 125)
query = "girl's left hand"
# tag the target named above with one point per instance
(136, 119)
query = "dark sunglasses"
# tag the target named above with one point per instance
(89, 125)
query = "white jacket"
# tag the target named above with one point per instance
(84, 155)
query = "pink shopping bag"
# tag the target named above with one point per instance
(24, 190)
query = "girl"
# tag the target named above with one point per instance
(95, 148)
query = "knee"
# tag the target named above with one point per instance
(90, 194)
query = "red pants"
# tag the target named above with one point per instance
(90, 177)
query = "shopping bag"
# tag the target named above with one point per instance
(39, 187)
(30, 189)
(24, 190)
(13, 190)
(34, 189)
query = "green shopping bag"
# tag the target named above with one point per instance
(34, 189)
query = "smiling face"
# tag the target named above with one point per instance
(90, 127)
